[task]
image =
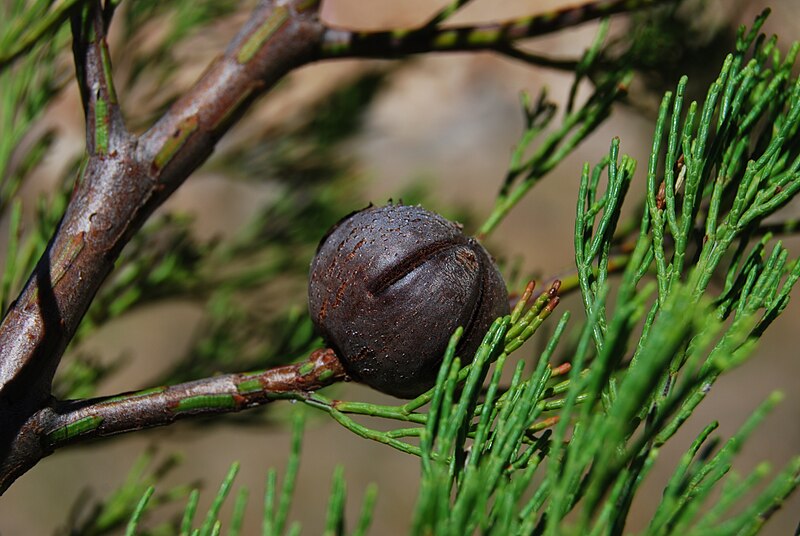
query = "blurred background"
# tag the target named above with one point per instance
(438, 128)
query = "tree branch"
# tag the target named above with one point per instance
(64, 423)
(37, 28)
(498, 37)
(80, 420)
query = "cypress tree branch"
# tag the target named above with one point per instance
(499, 37)
(66, 422)
(80, 420)
(125, 178)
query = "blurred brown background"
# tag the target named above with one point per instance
(453, 118)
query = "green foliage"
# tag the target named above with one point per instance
(26, 87)
(662, 43)
(276, 504)
(640, 370)
(162, 27)
(125, 506)
(628, 411)
(26, 25)
(524, 171)
(340, 116)
(25, 248)
(183, 17)
(542, 454)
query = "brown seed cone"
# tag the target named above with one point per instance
(389, 285)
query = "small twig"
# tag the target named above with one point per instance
(448, 11)
(105, 129)
(559, 64)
